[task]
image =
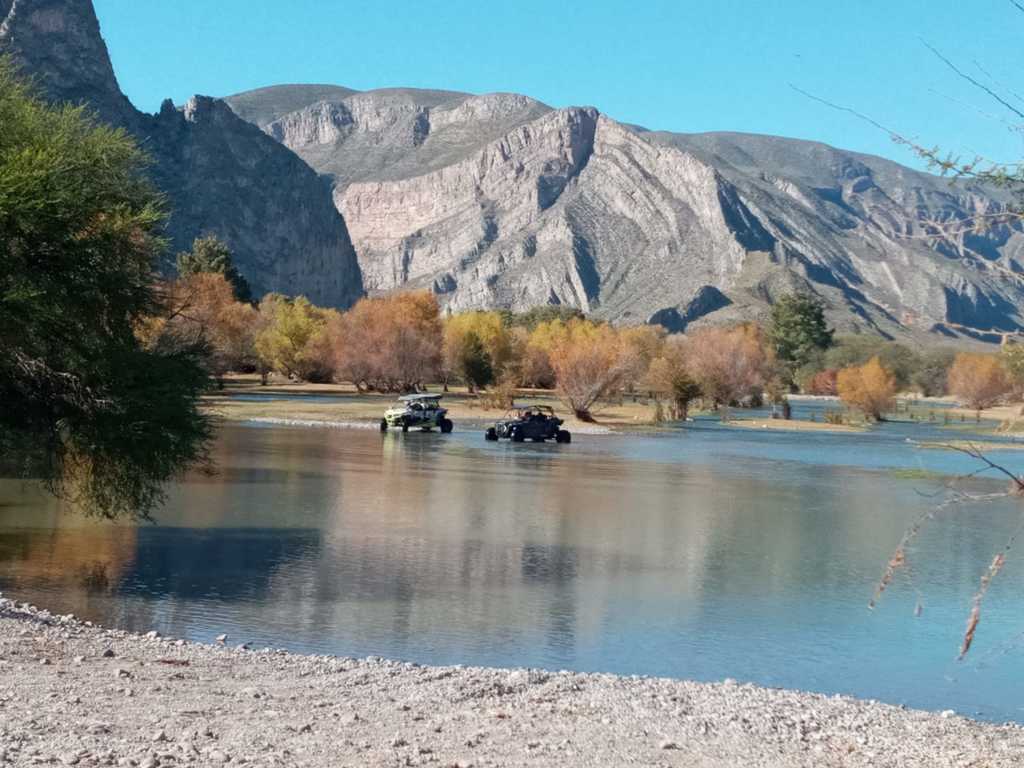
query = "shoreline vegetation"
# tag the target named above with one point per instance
(76, 694)
(303, 404)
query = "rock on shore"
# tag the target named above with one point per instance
(75, 694)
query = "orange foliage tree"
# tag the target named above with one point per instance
(869, 387)
(978, 380)
(729, 363)
(590, 362)
(390, 344)
(203, 306)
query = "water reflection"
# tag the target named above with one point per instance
(702, 555)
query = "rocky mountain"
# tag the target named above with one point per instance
(499, 200)
(221, 174)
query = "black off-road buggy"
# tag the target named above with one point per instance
(529, 422)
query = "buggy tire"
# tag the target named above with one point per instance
(383, 425)
(491, 434)
(563, 436)
(516, 434)
(405, 427)
(446, 426)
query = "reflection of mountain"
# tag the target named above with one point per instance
(434, 547)
(220, 563)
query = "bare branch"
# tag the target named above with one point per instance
(971, 79)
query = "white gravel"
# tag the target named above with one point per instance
(74, 694)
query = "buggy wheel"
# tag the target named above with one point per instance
(405, 427)
(563, 436)
(516, 434)
(383, 425)
(446, 426)
(491, 434)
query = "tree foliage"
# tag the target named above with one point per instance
(856, 349)
(293, 338)
(871, 387)
(479, 347)
(211, 256)
(729, 363)
(100, 415)
(392, 343)
(590, 361)
(798, 331)
(977, 380)
(669, 376)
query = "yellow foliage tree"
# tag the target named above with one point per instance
(292, 336)
(869, 387)
(466, 331)
(978, 380)
(669, 376)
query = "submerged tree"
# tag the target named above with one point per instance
(102, 417)
(979, 381)
(870, 387)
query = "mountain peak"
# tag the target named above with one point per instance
(58, 43)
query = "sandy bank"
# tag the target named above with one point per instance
(72, 694)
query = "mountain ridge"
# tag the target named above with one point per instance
(514, 210)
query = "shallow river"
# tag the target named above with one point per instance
(704, 552)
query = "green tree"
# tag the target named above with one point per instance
(474, 362)
(932, 374)
(798, 331)
(1013, 361)
(102, 418)
(210, 255)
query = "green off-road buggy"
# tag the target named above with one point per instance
(529, 422)
(417, 412)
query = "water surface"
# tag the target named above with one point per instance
(704, 552)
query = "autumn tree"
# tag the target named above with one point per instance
(822, 383)
(481, 340)
(669, 376)
(209, 255)
(729, 363)
(645, 343)
(291, 340)
(977, 380)
(590, 361)
(870, 387)
(203, 306)
(856, 349)
(391, 343)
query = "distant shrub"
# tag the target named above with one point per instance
(870, 388)
(977, 380)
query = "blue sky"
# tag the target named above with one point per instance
(688, 65)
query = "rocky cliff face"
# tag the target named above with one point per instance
(222, 175)
(499, 200)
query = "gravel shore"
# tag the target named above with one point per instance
(75, 694)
